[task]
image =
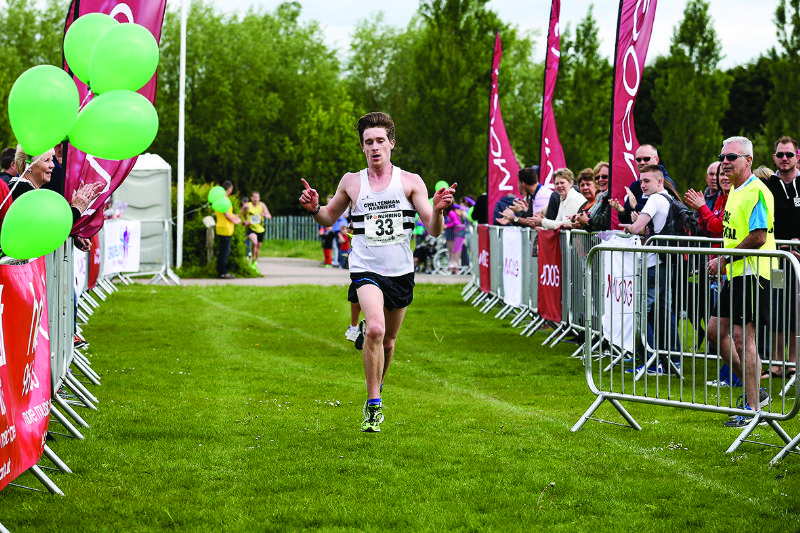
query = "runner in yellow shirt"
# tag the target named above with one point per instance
(253, 213)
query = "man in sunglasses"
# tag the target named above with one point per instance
(646, 155)
(744, 302)
(783, 185)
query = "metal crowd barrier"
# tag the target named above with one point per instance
(471, 288)
(71, 370)
(680, 369)
(155, 252)
(292, 228)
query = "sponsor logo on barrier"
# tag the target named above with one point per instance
(483, 259)
(550, 276)
(511, 267)
(36, 413)
(8, 436)
(620, 289)
(5, 469)
(36, 318)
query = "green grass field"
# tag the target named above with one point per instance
(237, 409)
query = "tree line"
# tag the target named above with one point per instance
(268, 102)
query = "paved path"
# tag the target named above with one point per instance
(280, 271)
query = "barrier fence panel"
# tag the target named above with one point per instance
(496, 264)
(578, 245)
(293, 228)
(61, 311)
(678, 365)
(471, 288)
(155, 252)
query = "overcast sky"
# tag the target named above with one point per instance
(745, 27)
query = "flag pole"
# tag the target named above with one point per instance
(181, 121)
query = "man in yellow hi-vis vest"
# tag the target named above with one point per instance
(744, 301)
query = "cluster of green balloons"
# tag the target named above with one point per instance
(37, 223)
(218, 199)
(114, 60)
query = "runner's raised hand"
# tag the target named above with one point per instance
(310, 198)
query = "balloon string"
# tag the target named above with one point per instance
(86, 99)
(17, 181)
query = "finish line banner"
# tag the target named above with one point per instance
(24, 368)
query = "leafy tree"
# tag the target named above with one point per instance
(583, 103)
(32, 35)
(691, 96)
(783, 107)
(264, 103)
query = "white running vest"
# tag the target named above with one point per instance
(382, 224)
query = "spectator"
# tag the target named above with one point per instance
(747, 224)
(710, 225)
(646, 154)
(454, 235)
(571, 200)
(8, 169)
(654, 217)
(520, 213)
(784, 188)
(37, 173)
(226, 223)
(595, 213)
(252, 215)
(711, 192)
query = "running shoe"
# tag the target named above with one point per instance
(351, 334)
(372, 422)
(742, 421)
(365, 409)
(652, 371)
(362, 330)
(763, 399)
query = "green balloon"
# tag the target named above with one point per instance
(222, 205)
(80, 40)
(215, 194)
(37, 223)
(124, 57)
(42, 107)
(115, 125)
(441, 184)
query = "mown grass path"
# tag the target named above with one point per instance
(234, 408)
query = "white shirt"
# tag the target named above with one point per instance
(657, 208)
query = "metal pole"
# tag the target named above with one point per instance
(181, 120)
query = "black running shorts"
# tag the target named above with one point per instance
(398, 291)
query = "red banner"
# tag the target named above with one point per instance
(484, 258)
(78, 166)
(633, 38)
(503, 166)
(95, 255)
(550, 275)
(24, 368)
(552, 156)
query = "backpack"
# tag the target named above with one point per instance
(681, 221)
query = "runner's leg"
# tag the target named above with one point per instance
(370, 297)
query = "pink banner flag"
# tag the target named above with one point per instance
(503, 166)
(552, 157)
(484, 256)
(550, 275)
(78, 166)
(633, 38)
(24, 368)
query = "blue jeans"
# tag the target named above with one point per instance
(659, 289)
(222, 255)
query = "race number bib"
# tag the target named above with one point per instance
(255, 219)
(383, 229)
